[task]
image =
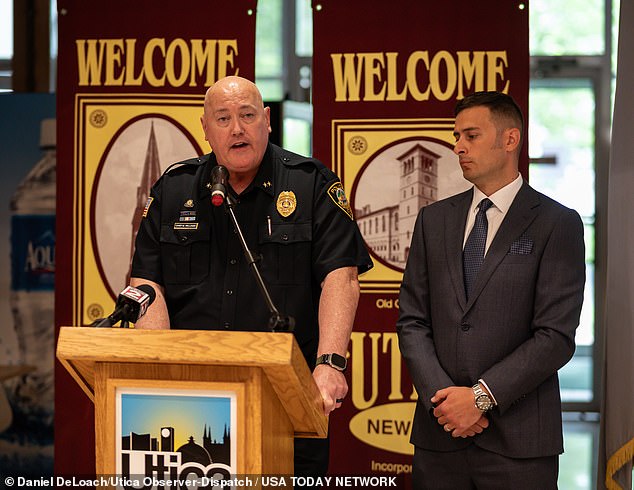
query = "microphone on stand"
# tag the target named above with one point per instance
(278, 322)
(218, 185)
(132, 304)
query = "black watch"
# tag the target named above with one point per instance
(335, 361)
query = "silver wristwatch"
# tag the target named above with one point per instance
(483, 401)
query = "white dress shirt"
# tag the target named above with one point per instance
(502, 200)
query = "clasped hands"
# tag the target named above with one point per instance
(455, 411)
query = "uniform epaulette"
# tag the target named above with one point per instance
(196, 162)
(292, 159)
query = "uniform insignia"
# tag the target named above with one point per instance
(147, 206)
(266, 184)
(286, 203)
(185, 226)
(187, 216)
(189, 203)
(338, 195)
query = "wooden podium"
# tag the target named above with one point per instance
(265, 373)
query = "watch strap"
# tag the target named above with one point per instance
(333, 360)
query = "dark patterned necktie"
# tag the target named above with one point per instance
(473, 253)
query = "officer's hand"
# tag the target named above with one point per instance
(332, 385)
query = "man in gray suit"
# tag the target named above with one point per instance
(489, 304)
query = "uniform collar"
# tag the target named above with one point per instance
(264, 178)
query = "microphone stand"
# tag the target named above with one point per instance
(277, 321)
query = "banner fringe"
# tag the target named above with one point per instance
(624, 454)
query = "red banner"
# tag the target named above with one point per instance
(387, 76)
(131, 82)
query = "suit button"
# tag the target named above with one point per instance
(465, 327)
(233, 261)
(183, 239)
(285, 237)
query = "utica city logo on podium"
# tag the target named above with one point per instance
(176, 434)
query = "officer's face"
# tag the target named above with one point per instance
(237, 126)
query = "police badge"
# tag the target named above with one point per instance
(286, 203)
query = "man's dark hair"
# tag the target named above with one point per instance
(502, 106)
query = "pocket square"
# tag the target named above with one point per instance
(522, 246)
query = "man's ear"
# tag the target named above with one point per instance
(267, 116)
(512, 139)
(203, 123)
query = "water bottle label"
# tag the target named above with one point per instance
(33, 252)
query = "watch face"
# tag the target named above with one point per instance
(338, 361)
(484, 403)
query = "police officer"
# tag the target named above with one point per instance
(294, 214)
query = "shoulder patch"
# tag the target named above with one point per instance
(148, 203)
(338, 196)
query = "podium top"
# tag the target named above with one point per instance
(277, 354)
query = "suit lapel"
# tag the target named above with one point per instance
(520, 215)
(454, 236)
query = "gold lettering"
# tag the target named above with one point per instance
(170, 62)
(435, 72)
(496, 63)
(114, 49)
(373, 68)
(470, 70)
(226, 51)
(201, 59)
(347, 80)
(114, 61)
(89, 61)
(148, 61)
(392, 90)
(412, 83)
(374, 76)
(358, 367)
(390, 340)
(129, 64)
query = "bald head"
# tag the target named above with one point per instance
(235, 85)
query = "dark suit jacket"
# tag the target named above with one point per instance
(516, 330)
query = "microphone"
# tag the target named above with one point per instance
(218, 184)
(132, 304)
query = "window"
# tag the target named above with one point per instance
(269, 37)
(6, 43)
(572, 77)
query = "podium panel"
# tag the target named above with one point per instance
(161, 396)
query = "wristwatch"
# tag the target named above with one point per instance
(483, 401)
(335, 361)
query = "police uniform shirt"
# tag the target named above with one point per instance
(191, 248)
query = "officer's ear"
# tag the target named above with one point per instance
(267, 116)
(203, 123)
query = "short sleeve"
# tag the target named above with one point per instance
(146, 262)
(337, 241)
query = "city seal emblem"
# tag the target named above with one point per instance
(286, 203)
(338, 195)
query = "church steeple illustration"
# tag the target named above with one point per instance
(151, 173)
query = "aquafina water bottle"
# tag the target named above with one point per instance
(33, 284)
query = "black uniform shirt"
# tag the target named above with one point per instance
(191, 248)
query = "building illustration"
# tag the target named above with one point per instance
(388, 231)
